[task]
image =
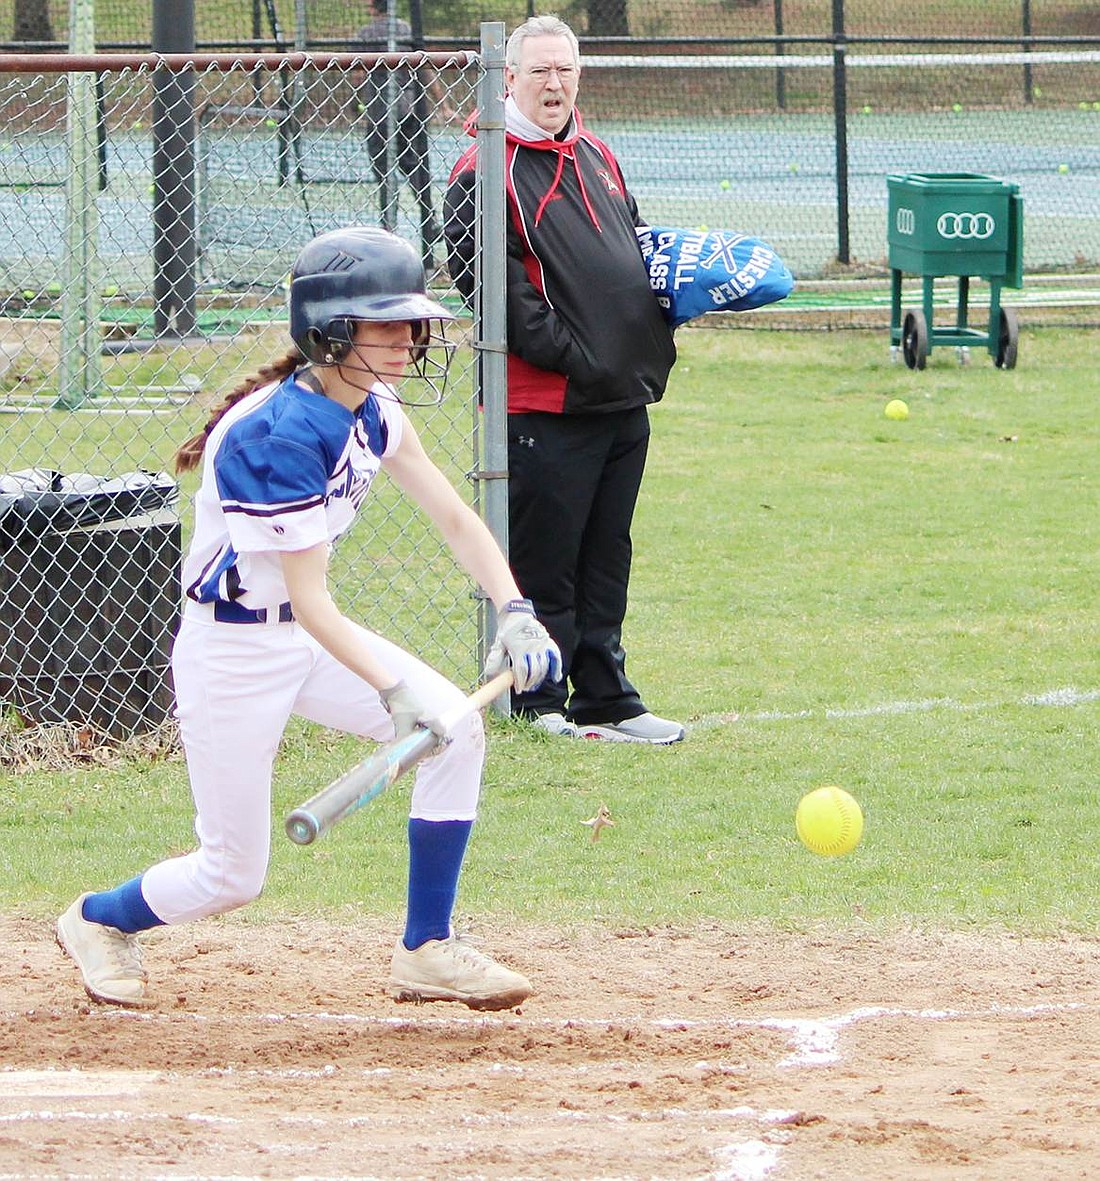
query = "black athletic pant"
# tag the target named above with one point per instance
(573, 484)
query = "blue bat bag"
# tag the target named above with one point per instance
(697, 271)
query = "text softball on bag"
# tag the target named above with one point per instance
(693, 272)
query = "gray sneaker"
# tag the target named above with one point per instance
(644, 728)
(556, 724)
(453, 970)
(108, 959)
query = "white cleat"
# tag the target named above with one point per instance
(453, 970)
(109, 960)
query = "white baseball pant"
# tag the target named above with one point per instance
(237, 686)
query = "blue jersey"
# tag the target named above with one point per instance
(284, 469)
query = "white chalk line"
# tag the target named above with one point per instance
(1065, 698)
(817, 1043)
(519, 1021)
(814, 1042)
(806, 1033)
(750, 1160)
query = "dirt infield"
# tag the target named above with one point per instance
(274, 1051)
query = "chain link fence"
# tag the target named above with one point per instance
(149, 217)
(779, 118)
(328, 24)
(150, 210)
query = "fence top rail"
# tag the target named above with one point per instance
(64, 63)
(771, 61)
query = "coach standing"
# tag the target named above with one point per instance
(589, 350)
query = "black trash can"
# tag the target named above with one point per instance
(89, 598)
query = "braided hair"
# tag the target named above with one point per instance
(189, 454)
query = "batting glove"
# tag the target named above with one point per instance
(407, 711)
(525, 644)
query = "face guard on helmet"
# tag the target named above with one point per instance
(365, 273)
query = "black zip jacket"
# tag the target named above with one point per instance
(585, 332)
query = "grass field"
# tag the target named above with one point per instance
(907, 609)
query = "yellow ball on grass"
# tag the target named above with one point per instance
(896, 410)
(829, 821)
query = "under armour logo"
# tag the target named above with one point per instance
(525, 441)
(607, 179)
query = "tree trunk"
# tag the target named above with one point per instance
(32, 21)
(608, 18)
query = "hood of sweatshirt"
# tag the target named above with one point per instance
(520, 130)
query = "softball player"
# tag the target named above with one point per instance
(287, 458)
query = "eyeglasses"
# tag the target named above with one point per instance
(542, 73)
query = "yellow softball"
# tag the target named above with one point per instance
(829, 821)
(897, 410)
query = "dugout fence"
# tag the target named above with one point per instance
(134, 293)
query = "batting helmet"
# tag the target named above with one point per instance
(357, 273)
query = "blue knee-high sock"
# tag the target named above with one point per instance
(123, 907)
(436, 850)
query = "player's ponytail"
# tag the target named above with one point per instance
(190, 453)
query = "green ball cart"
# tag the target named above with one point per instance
(946, 224)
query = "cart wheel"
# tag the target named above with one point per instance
(914, 339)
(1007, 339)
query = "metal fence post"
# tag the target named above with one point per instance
(780, 50)
(174, 212)
(491, 328)
(388, 182)
(80, 376)
(840, 119)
